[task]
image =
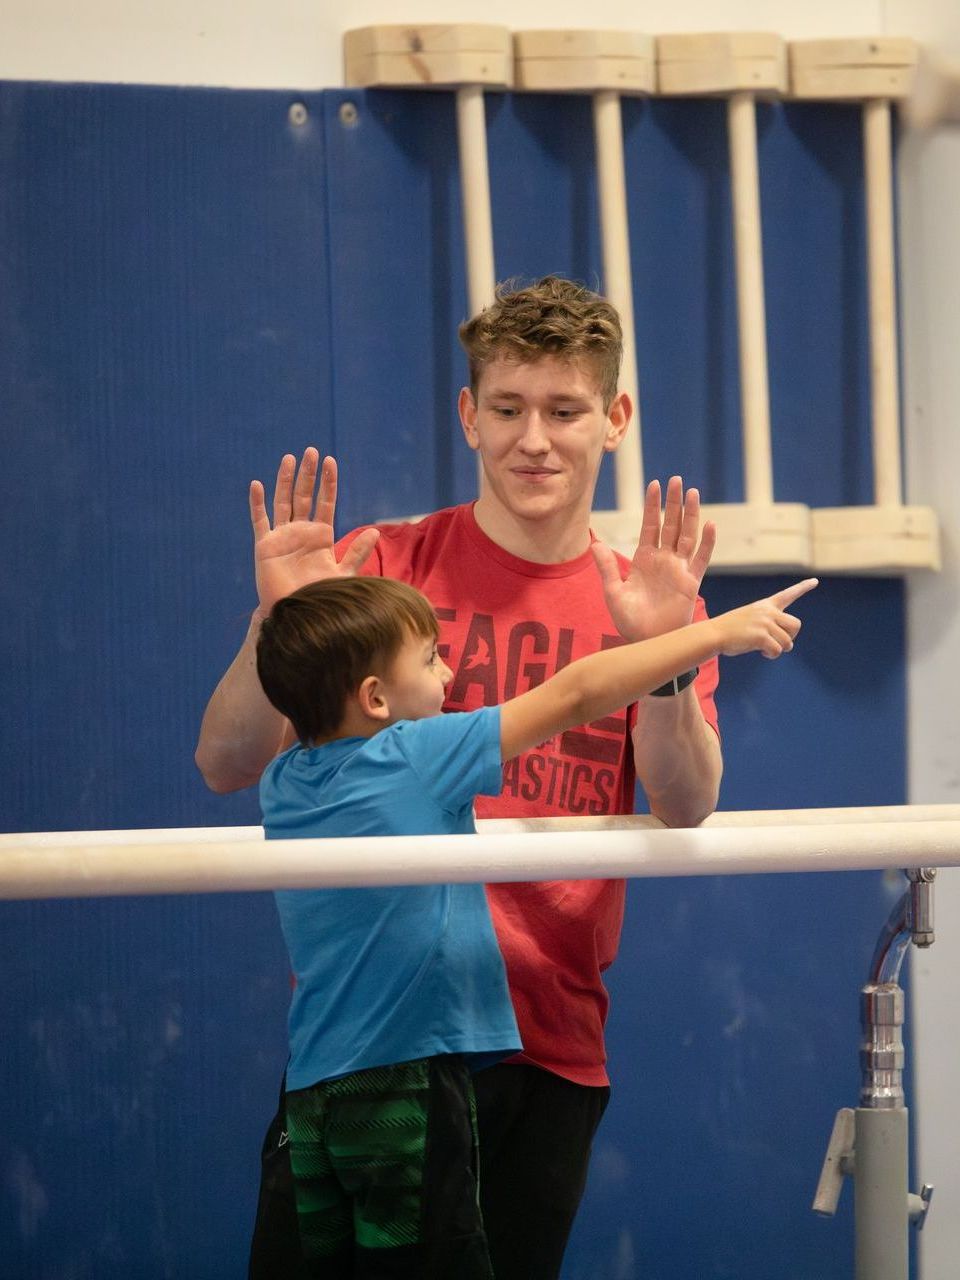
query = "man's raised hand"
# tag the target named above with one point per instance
(662, 584)
(299, 548)
(764, 626)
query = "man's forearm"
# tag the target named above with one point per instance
(678, 759)
(241, 732)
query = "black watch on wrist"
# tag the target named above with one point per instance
(676, 685)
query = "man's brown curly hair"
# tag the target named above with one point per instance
(552, 317)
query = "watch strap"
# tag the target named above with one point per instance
(676, 685)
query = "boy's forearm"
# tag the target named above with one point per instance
(602, 683)
(241, 732)
(617, 677)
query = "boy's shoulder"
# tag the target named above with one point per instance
(300, 760)
(432, 731)
(453, 757)
(395, 740)
(409, 778)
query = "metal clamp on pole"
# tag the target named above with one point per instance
(920, 910)
(837, 1163)
(871, 1143)
(920, 1205)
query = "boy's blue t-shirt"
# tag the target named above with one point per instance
(388, 975)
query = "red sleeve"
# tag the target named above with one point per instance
(374, 565)
(397, 552)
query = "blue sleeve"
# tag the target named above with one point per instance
(455, 756)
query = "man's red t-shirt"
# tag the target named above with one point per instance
(506, 625)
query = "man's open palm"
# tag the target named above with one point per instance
(299, 547)
(662, 584)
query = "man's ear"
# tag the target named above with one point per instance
(618, 419)
(467, 407)
(372, 698)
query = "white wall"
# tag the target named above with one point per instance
(296, 44)
(930, 303)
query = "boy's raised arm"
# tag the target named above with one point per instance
(602, 683)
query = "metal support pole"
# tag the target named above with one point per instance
(880, 1185)
(871, 1144)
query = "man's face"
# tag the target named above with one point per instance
(541, 431)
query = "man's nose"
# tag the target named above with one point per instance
(446, 675)
(534, 438)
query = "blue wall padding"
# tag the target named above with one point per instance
(191, 284)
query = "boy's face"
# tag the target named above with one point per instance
(414, 686)
(541, 431)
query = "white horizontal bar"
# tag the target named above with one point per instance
(235, 859)
(742, 818)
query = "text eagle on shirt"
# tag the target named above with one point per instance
(576, 771)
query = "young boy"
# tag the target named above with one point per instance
(401, 993)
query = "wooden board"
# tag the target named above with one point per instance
(750, 537)
(429, 38)
(722, 62)
(935, 94)
(584, 61)
(583, 44)
(871, 67)
(585, 75)
(438, 56)
(875, 540)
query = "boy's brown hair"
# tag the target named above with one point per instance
(552, 317)
(319, 644)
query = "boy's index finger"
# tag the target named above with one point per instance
(783, 599)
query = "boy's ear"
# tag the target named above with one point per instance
(372, 698)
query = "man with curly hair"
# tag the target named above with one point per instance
(521, 588)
